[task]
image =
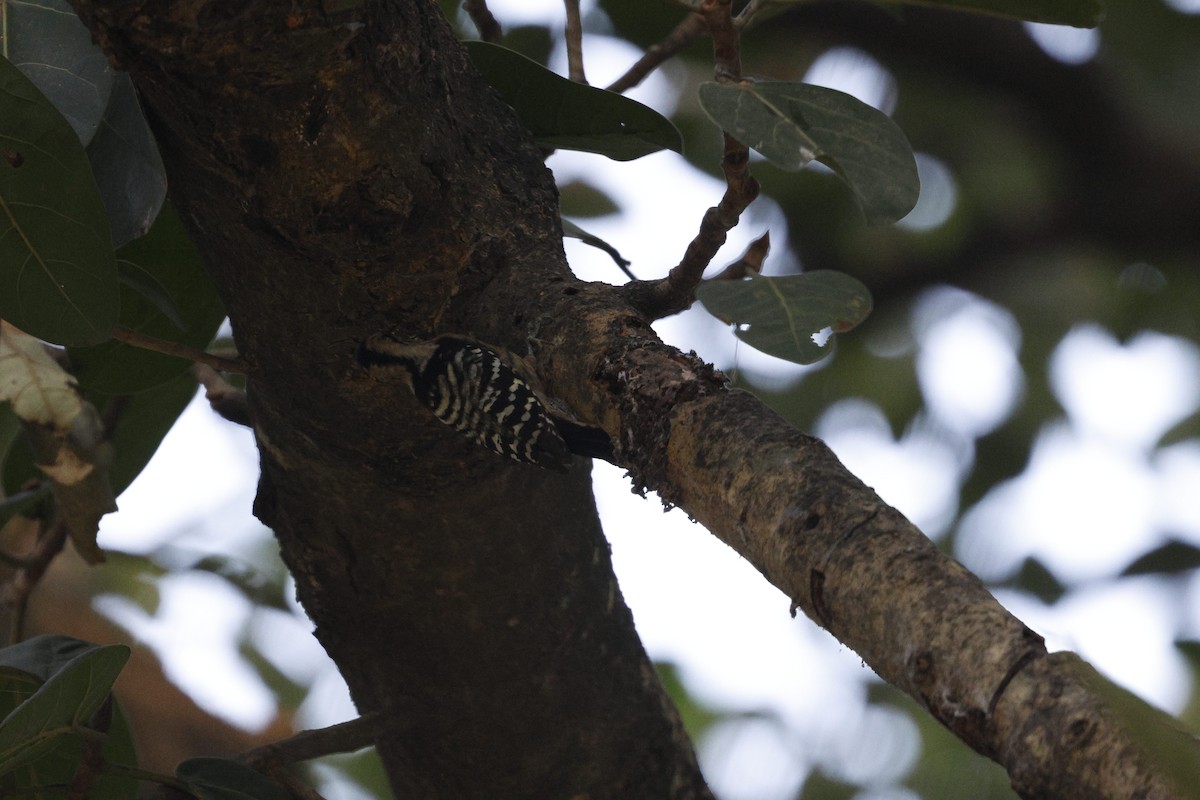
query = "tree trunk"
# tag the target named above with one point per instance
(342, 175)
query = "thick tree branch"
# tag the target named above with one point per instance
(856, 566)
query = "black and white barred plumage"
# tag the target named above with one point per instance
(471, 388)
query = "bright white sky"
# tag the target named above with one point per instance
(1096, 494)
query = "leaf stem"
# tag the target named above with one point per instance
(686, 32)
(224, 398)
(50, 542)
(574, 37)
(141, 340)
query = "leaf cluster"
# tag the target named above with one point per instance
(62, 731)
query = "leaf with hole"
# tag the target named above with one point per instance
(791, 124)
(58, 274)
(573, 116)
(780, 316)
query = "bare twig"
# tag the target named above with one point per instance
(485, 22)
(574, 42)
(224, 398)
(136, 339)
(677, 291)
(345, 737)
(274, 760)
(689, 30)
(727, 48)
(50, 542)
(746, 15)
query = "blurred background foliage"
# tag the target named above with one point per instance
(1060, 206)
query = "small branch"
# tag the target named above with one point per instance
(689, 30)
(727, 47)
(746, 16)
(485, 22)
(274, 760)
(676, 292)
(574, 42)
(224, 398)
(50, 543)
(135, 339)
(345, 737)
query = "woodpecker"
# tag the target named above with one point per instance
(472, 388)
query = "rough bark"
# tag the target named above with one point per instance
(343, 173)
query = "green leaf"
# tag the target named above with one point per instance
(1079, 13)
(150, 289)
(16, 686)
(568, 115)
(146, 418)
(44, 656)
(166, 289)
(128, 169)
(1169, 558)
(582, 199)
(791, 124)
(48, 42)
(784, 313)
(1033, 577)
(25, 667)
(222, 779)
(61, 706)
(58, 275)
